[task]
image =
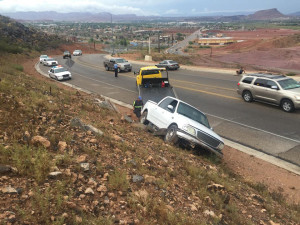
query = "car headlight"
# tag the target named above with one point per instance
(297, 98)
(189, 129)
(221, 146)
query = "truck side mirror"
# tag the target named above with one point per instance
(171, 108)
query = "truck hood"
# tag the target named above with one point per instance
(187, 121)
(123, 64)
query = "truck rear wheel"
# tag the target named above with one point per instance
(144, 118)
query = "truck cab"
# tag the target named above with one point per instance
(150, 75)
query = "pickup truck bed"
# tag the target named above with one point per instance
(155, 93)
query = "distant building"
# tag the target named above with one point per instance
(215, 41)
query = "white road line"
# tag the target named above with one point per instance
(106, 83)
(254, 128)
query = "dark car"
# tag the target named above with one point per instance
(67, 54)
(168, 64)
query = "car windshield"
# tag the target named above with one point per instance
(172, 61)
(49, 59)
(289, 84)
(77, 51)
(193, 114)
(120, 60)
(67, 52)
(43, 56)
(59, 70)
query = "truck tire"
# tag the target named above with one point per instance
(143, 119)
(106, 68)
(247, 96)
(171, 136)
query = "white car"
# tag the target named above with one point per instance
(178, 120)
(50, 62)
(77, 52)
(42, 58)
(59, 73)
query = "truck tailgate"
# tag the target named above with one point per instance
(156, 93)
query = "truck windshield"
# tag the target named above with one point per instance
(193, 114)
(289, 84)
(120, 60)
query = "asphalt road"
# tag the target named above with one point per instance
(262, 127)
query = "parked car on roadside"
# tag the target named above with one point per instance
(59, 73)
(168, 64)
(42, 58)
(77, 53)
(67, 54)
(273, 89)
(177, 120)
(50, 62)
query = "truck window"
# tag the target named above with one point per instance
(164, 104)
(150, 72)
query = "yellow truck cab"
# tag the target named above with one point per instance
(150, 75)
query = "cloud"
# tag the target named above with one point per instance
(172, 12)
(69, 6)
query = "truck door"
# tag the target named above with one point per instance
(164, 115)
(111, 64)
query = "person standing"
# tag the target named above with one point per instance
(137, 107)
(116, 69)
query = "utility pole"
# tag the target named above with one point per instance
(158, 36)
(149, 46)
(112, 34)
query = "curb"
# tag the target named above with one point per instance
(268, 158)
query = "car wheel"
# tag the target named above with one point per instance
(129, 70)
(247, 96)
(106, 68)
(287, 105)
(171, 135)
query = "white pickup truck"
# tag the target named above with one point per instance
(178, 120)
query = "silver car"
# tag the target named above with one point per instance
(273, 89)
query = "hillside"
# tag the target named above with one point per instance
(16, 38)
(268, 14)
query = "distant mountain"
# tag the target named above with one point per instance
(73, 16)
(268, 14)
(295, 14)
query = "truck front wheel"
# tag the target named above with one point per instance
(171, 136)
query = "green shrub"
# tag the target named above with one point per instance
(118, 180)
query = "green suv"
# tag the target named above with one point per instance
(273, 89)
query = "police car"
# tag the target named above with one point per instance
(42, 58)
(59, 73)
(50, 62)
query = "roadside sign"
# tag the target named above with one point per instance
(70, 63)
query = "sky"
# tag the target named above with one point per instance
(152, 7)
